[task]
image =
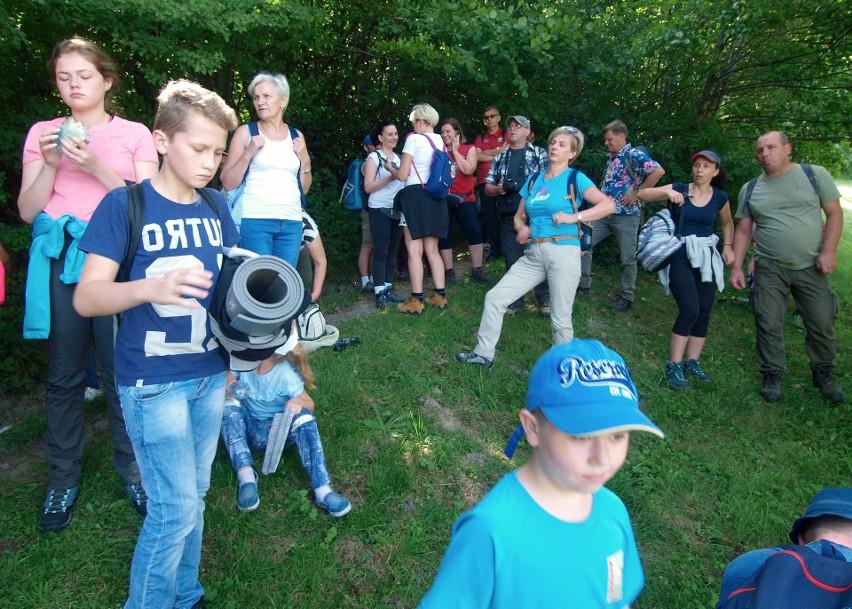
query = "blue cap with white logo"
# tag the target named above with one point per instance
(584, 389)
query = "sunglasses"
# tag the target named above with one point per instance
(487, 116)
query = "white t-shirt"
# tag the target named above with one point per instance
(417, 146)
(383, 197)
(272, 188)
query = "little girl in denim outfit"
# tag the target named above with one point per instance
(278, 383)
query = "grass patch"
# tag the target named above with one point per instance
(414, 439)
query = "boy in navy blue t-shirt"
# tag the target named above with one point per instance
(170, 375)
(550, 534)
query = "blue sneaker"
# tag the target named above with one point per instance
(335, 504)
(56, 513)
(247, 497)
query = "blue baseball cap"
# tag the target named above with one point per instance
(584, 389)
(368, 140)
(828, 502)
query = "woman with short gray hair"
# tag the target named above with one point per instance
(271, 157)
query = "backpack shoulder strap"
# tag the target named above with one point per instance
(749, 189)
(253, 129)
(809, 172)
(208, 198)
(294, 133)
(135, 219)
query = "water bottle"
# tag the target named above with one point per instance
(239, 390)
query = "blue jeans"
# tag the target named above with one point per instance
(281, 238)
(174, 428)
(242, 433)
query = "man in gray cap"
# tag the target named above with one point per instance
(507, 175)
(828, 518)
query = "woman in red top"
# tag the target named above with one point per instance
(462, 202)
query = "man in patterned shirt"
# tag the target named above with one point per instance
(628, 169)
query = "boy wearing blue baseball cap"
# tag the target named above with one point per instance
(549, 534)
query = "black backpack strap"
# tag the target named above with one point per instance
(809, 172)
(211, 202)
(135, 218)
(749, 188)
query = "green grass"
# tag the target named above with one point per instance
(414, 439)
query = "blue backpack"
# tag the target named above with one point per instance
(353, 196)
(440, 173)
(797, 577)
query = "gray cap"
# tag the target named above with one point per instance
(523, 121)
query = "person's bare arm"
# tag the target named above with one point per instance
(317, 252)
(827, 260)
(240, 153)
(742, 239)
(303, 400)
(306, 175)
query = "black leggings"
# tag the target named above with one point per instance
(386, 235)
(694, 297)
(465, 214)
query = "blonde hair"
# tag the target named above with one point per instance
(299, 359)
(180, 97)
(576, 135)
(425, 113)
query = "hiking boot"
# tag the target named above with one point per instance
(621, 304)
(368, 287)
(393, 297)
(411, 306)
(450, 276)
(57, 509)
(247, 497)
(824, 380)
(382, 301)
(771, 390)
(335, 504)
(584, 291)
(476, 359)
(403, 276)
(674, 375)
(138, 497)
(480, 277)
(436, 300)
(544, 309)
(693, 366)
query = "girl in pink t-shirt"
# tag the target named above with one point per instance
(63, 181)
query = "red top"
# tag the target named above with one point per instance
(487, 141)
(462, 184)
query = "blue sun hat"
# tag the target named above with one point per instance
(827, 502)
(584, 389)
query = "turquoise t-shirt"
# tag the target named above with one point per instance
(546, 197)
(508, 553)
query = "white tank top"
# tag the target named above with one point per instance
(272, 188)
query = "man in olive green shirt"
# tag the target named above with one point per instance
(794, 254)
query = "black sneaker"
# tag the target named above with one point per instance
(480, 277)
(393, 297)
(824, 381)
(450, 277)
(584, 291)
(138, 497)
(674, 375)
(771, 390)
(57, 509)
(475, 359)
(621, 304)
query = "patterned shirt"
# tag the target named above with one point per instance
(619, 181)
(535, 159)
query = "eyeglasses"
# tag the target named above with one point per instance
(570, 129)
(487, 116)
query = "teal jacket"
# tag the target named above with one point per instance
(48, 241)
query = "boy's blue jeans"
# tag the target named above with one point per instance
(174, 428)
(242, 433)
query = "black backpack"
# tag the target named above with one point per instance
(136, 219)
(797, 577)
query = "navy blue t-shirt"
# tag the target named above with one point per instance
(163, 343)
(698, 221)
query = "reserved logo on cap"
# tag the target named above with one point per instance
(596, 372)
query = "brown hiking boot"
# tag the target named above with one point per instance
(436, 300)
(824, 380)
(411, 306)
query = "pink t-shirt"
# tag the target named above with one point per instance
(118, 144)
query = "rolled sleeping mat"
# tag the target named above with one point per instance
(265, 294)
(276, 440)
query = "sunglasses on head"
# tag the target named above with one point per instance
(570, 129)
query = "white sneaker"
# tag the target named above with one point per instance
(91, 393)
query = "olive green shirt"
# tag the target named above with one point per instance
(787, 215)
